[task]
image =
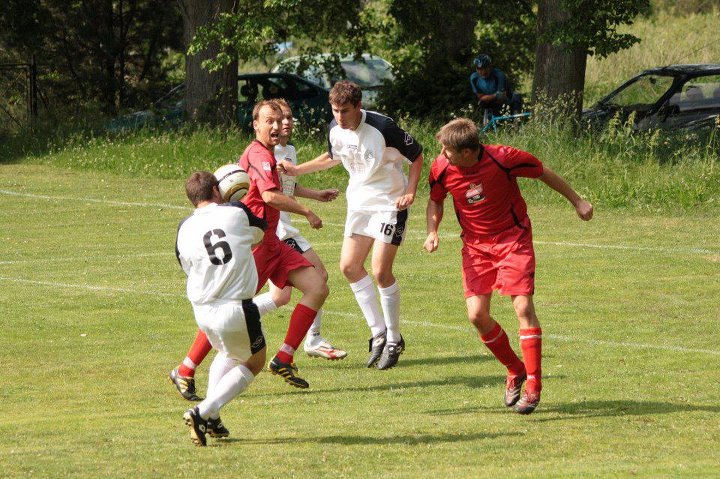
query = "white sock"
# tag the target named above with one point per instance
(390, 302)
(315, 327)
(234, 382)
(218, 368)
(265, 303)
(367, 299)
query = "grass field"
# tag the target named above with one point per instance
(94, 316)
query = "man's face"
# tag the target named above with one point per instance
(347, 115)
(457, 157)
(286, 126)
(484, 71)
(268, 125)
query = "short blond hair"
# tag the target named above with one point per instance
(459, 134)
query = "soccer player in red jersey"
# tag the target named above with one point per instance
(497, 251)
(274, 259)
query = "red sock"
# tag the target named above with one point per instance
(531, 345)
(200, 348)
(300, 321)
(499, 344)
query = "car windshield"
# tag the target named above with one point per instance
(641, 94)
(372, 72)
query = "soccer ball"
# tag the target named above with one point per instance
(234, 182)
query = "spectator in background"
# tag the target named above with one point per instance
(492, 88)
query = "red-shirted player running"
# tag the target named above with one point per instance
(497, 251)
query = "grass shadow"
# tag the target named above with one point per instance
(615, 408)
(405, 439)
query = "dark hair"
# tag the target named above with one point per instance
(259, 105)
(345, 92)
(482, 61)
(199, 187)
(459, 134)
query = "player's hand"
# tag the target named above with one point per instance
(405, 201)
(327, 195)
(314, 220)
(584, 210)
(431, 242)
(286, 168)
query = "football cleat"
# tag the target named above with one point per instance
(528, 402)
(513, 386)
(197, 425)
(375, 347)
(184, 385)
(287, 371)
(215, 428)
(391, 354)
(320, 348)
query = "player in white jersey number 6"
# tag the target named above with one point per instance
(373, 149)
(214, 249)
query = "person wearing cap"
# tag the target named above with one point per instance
(492, 87)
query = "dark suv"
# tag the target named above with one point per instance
(671, 97)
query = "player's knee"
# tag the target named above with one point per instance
(383, 278)
(480, 320)
(350, 270)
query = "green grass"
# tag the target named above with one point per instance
(94, 316)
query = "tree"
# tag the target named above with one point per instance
(568, 31)
(103, 51)
(210, 94)
(432, 44)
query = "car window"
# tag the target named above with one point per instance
(700, 93)
(645, 91)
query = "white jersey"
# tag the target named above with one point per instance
(373, 154)
(285, 229)
(213, 247)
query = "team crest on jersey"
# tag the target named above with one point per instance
(408, 139)
(266, 166)
(474, 194)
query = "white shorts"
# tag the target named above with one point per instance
(232, 327)
(386, 226)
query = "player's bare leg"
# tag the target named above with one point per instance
(496, 340)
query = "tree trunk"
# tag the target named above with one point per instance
(209, 97)
(559, 73)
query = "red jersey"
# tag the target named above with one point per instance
(486, 195)
(259, 162)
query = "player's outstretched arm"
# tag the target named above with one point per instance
(277, 199)
(433, 216)
(322, 162)
(583, 207)
(317, 195)
(408, 198)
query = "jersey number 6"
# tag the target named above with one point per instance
(212, 247)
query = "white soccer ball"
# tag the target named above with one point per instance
(234, 182)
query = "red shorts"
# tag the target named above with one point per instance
(275, 261)
(503, 262)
